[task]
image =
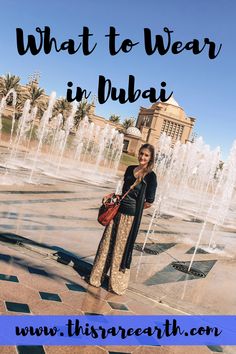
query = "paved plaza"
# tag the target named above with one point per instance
(48, 239)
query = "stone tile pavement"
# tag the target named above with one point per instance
(48, 238)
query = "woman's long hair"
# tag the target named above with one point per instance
(151, 162)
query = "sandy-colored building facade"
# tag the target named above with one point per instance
(101, 121)
(162, 117)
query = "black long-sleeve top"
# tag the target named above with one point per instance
(129, 203)
(145, 191)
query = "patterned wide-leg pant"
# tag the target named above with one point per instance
(109, 255)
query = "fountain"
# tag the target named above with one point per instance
(195, 185)
(55, 151)
(187, 176)
(191, 182)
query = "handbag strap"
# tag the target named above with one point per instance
(132, 187)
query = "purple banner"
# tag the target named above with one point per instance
(118, 330)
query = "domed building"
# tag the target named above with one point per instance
(132, 139)
(162, 117)
(135, 132)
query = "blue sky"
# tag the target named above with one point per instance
(204, 88)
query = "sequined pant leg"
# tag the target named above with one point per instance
(119, 280)
(103, 256)
(109, 255)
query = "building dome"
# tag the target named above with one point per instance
(172, 101)
(134, 131)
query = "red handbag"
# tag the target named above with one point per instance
(110, 206)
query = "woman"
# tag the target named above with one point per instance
(117, 243)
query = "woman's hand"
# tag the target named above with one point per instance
(147, 205)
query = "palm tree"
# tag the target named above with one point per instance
(114, 119)
(42, 108)
(9, 82)
(64, 107)
(37, 98)
(128, 122)
(21, 98)
(35, 94)
(82, 111)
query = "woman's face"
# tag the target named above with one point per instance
(144, 157)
